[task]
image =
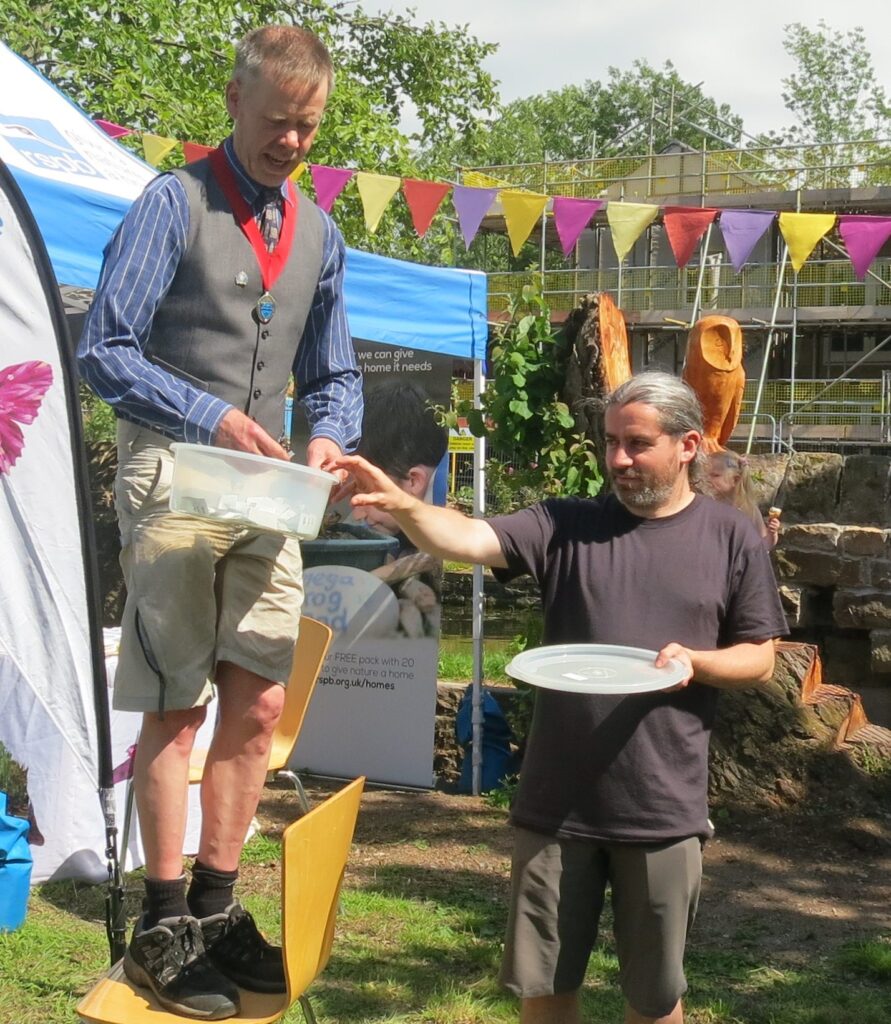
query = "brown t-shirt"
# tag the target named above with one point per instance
(632, 768)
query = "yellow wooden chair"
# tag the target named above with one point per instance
(313, 641)
(314, 856)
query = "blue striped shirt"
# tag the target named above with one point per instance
(141, 260)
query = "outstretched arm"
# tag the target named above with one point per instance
(439, 531)
(731, 668)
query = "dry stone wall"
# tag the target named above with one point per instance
(833, 559)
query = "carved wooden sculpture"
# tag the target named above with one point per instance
(714, 370)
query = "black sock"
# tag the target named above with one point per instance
(211, 890)
(164, 897)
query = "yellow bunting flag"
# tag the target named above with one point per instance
(522, 210)
(627, 222)
(156, 147)
(297, 173)
(802, 231)
(376, 191)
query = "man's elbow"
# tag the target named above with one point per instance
(768, 663)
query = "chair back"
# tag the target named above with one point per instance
(313, 642)
(314, 855)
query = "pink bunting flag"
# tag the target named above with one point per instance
(685, 225)
(471, 205)
(328, 182)
(863, 235)
(572, 216)
(742, 230)
(115, 131)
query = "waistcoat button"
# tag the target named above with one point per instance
(260, 365)
(257, 392)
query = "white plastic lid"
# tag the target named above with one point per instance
(594, 668)
(212, 451)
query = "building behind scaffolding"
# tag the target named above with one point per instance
(827, 376)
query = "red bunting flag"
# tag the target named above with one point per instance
(114, 131)
(423, 198)
(193, 151)
(685, 225)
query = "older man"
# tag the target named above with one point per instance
(221, 281)
(614, 788)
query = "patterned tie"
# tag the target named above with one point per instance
(271, 217)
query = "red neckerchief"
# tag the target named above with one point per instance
(271, 263)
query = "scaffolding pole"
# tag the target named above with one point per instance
(768, 345)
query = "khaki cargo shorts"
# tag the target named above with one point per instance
(198, 592)
(557, 895)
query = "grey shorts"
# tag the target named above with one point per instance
(198, 592)
(557, 894)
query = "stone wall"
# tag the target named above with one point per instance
(833, 559)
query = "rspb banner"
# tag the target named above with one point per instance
(78, 182)
(373, 711)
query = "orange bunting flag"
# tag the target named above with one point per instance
(685, 225)
(193, 151)
(802, 231)
(627, 222)
(522, 211)
(376, 191)
(156, 147)
(423, 199)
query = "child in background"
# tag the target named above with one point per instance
(728, 479)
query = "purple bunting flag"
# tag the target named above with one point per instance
(328, 182)
(741, 230)
(572, 216)
(863, 235)
(471, 205)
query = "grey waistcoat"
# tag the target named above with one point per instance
(206, 329)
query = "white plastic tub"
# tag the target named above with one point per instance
(251, 490)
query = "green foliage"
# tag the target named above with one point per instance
(98, 417)
(161, 66)
(834, 92)
(596, 118)
(521, 409)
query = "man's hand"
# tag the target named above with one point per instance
(243, 434)
(321, 453)
(674, 652)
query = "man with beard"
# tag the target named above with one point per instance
(613, 788)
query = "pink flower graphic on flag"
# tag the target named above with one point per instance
(22, 388)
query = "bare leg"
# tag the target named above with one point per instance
(561, 1009)
(675, 1017)
(161, 786)
(235, 770)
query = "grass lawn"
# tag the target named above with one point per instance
(419, 941)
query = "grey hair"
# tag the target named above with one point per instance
(675, 402)
(288, 53)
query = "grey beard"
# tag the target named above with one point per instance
(645, 498)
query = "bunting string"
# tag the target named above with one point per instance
(480, 196)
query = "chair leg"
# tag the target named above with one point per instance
(307, 1009)
(298, 786)
(128, 820)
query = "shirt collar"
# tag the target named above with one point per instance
(250, 189)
